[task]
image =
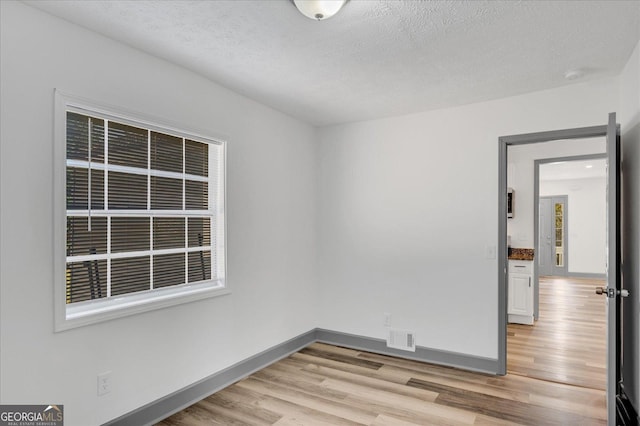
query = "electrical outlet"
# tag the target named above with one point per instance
(104, 383)
(387, 319)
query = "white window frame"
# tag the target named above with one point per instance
(68, 316)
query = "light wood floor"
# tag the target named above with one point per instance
(568, 342)
(556, 376)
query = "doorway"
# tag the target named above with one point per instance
(574, 242)
(612, 294)
(567, 344)
(567, 341)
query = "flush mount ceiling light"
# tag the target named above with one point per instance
(574, 74)
(319, 9)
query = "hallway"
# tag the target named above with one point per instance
(568, 342)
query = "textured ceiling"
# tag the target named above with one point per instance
(375, 58)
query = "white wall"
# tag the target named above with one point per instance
(520, 176)
(271, 226)
(587, 221)
(630, 125)
(408, 205)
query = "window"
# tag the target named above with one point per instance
(143, 214)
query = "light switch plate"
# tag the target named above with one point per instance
(490, 252)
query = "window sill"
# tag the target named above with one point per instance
(92, 312)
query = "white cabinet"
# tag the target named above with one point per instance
(520, 291)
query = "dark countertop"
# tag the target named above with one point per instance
(521, 254)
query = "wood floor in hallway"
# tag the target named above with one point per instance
(568, 342)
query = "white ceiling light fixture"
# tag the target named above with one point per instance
(319, 9)
(574, 74)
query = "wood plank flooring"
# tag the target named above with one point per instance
(333, 386)
(556, 376)
(568, 342)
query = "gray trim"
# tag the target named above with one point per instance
(536, 239)
(573, 158)
(554, 135)
(502, 256)
(504, 142)
(423, 354)
(179, 400)
(164, 407)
